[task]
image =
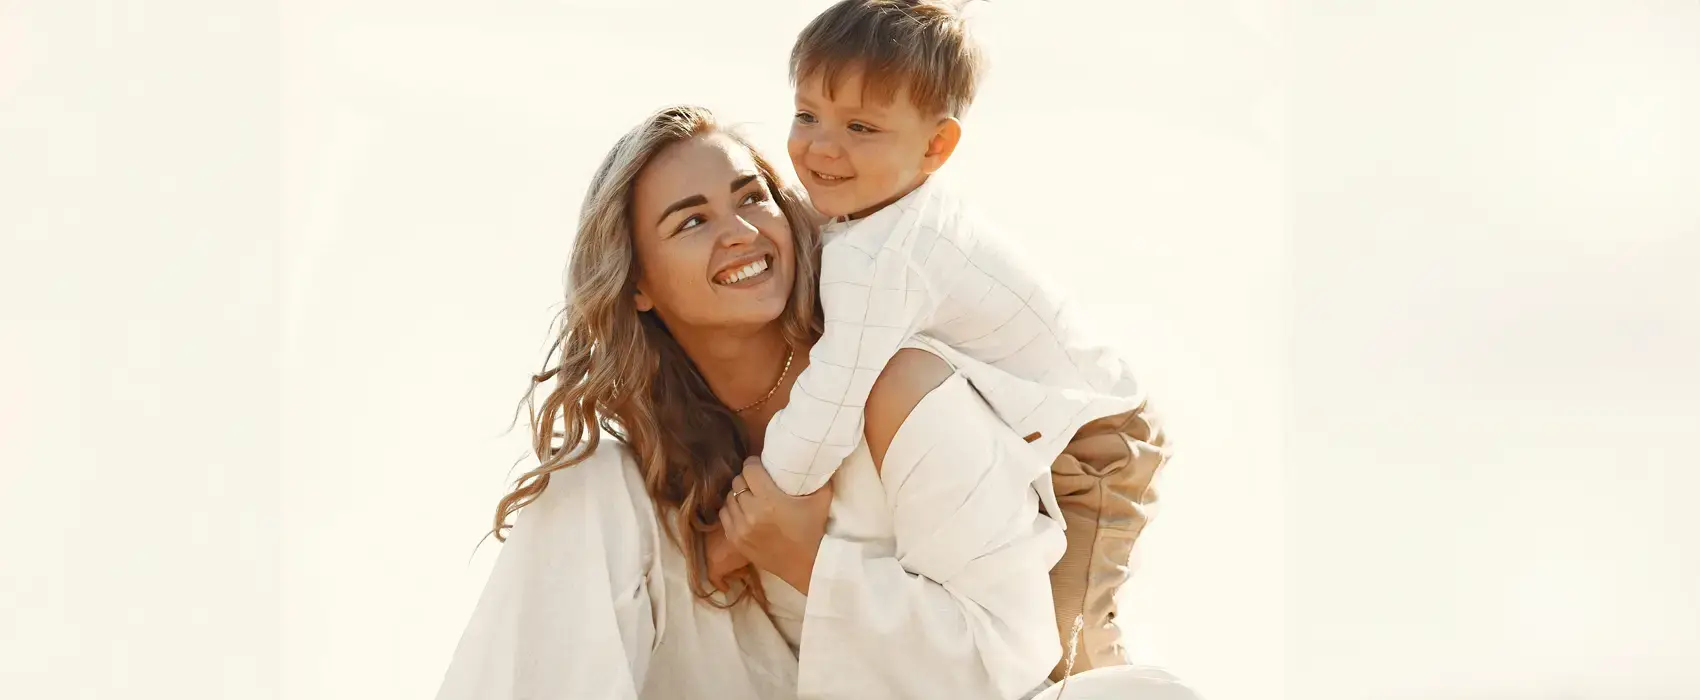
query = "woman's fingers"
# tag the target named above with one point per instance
(735, 522)
(723, 558)
(762, 501)
(714, 546)
(781, 532)
(825, 491)
(756, 478)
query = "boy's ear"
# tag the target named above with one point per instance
(943, 143)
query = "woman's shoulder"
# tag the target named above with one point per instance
(610, 467)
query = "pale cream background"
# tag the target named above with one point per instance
(1494, 351)
(1412, 280)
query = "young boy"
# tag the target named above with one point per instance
(881, 88)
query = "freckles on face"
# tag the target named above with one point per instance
(852, 151)
(713, 247)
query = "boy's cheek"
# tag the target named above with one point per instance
(796, 144)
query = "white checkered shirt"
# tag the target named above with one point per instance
(925, 265)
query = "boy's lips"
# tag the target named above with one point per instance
(828, 179)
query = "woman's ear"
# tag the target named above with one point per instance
(642, 301)
(943, 143)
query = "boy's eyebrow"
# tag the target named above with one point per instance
(870, 109)
(877, 111)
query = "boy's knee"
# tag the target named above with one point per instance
(908, 377)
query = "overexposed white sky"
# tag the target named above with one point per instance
(1410, 280)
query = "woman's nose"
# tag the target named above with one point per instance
(739, 232)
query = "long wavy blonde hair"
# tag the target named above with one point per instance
(620, 371)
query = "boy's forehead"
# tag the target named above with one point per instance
(853, 87)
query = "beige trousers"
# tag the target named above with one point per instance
(1105, 484)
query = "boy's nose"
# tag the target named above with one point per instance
(826, 147)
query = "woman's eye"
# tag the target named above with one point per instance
(756, 197)
(690, 223)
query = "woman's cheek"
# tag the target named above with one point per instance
(773, 224)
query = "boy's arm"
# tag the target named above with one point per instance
(874, 298)
(880, 283)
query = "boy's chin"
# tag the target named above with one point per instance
(832, 208)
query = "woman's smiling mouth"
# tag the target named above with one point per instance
(746, 273)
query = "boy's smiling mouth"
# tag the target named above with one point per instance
(830, 179)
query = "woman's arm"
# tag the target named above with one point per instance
(567, 612)
(963, 607)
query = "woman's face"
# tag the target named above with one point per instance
(713, 248)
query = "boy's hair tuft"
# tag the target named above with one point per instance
(923, 45)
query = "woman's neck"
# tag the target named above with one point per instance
(740, 369)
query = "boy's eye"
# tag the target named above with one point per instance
(805, 118)
(862, 128)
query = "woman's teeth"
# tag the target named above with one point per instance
(745, 272)
(831, 178)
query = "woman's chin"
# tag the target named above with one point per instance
(770, 311)
(755, 302)
(751, 313)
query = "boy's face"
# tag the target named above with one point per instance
(855, 156)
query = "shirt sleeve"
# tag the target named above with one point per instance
(880, 283)
(963, 607)
(567, 610)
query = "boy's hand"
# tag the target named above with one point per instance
(723, 559)
(780, 533)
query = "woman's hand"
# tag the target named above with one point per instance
(723, 559)
(778, 532)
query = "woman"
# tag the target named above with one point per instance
(690, 312)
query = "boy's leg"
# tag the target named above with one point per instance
(1105, 484)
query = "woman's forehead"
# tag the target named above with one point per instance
(702, 161)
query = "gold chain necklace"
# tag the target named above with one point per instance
(789, 351)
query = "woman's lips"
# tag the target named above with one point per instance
(746, 274)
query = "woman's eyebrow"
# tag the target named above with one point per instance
(695, 200)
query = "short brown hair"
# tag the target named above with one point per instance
(921, 44)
